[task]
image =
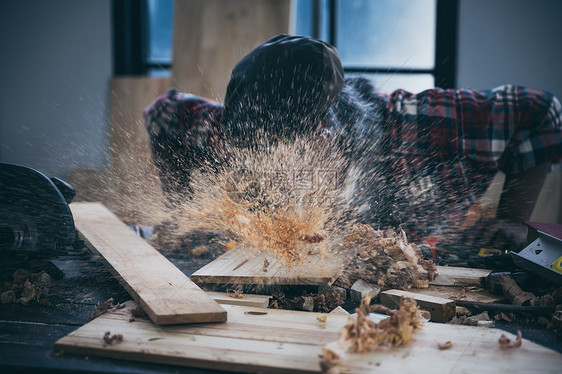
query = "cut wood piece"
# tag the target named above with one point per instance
(442, 310)
(281, 341)
(339, 311)
(256, 301)
(462, 293)
(457, 276)
(164, 292)
(241, 266)
(362, 290)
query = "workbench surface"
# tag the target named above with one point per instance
(27, 333)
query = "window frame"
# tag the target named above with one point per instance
(444, 70)
(131, 41)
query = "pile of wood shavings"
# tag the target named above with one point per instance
(26, 287)
(362, 334)
(386, 258)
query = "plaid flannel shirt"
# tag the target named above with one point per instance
(444, 145)
(457, 139)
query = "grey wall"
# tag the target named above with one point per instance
(510, 41)
(54, 73)
(56, 65)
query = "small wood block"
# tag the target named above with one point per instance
(244, 266)
(361, 290)
(458, 276)
(164, 292)
(442, 310)
(245, 299)
(339, 311)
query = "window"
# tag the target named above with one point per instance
(142, 37)
(406, 44)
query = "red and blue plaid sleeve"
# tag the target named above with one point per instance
(184, 131)
(447, 145)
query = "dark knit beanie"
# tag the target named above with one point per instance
(282, 88)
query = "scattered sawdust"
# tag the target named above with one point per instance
(311, 302)
(27, 287)
(104, 307)
(322, 318)
(200, 250)
(265, 265)
(469, 320)
(258, 202)
(506, 343)
(362, 334)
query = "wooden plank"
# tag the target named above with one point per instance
(241, 266)
(458, 276)
(164, 292)
(245, 299)
(289, 341)
(442, 310)
(468, 293)
(211, 36)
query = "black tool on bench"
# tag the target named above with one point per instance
(36, 224)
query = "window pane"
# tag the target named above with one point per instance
(160, 15)
(303, 21)
(388, 83)
(385, 33)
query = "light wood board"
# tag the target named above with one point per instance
(459, 276)
(470, 293)
(289, 341)
(240, 267)
(164, 292)
(245, 299)
(211, 36)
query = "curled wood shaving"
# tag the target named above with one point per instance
(110, 339)
(313, 238)
(506, 343)
(386, 258)
(235, 294)
(442, 346)
(362, 334)
(139, 312)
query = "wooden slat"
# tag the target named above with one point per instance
(289, 341)
(165, 293)
(240, 267)
(458, 276)
(468, 293)
(256, 301)
(442, 310)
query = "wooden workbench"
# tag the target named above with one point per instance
(27, 333)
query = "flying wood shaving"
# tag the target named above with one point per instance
(362, 334)
(254, 200)
(506, 343)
